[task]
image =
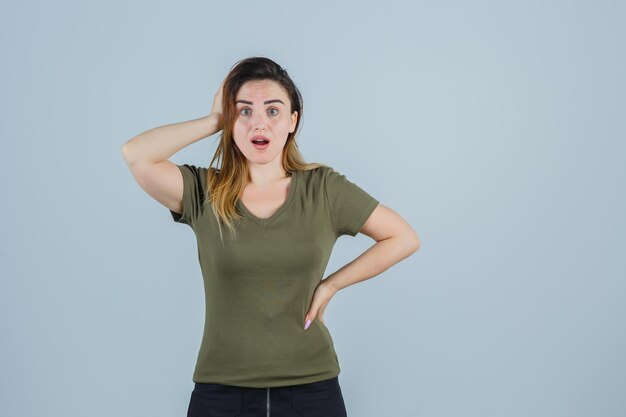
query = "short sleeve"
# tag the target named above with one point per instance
(194, 193)
(349, 205)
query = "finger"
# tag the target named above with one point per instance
(309, 317)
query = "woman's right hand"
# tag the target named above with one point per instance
(217, 103)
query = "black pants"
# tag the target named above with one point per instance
(316, 399)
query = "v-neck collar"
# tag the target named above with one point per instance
(290, 195)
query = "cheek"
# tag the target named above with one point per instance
(240, 132)
(284, 123)
(239, 123)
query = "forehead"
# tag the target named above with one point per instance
(261, 90)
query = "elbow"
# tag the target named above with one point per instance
(413, 242)
(126, 152)
(407, 243)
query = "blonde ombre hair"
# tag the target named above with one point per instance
(227, 182)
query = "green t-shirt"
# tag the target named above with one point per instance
(258, 286)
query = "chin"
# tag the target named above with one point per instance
(262, 158)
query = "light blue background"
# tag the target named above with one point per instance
(496, 129)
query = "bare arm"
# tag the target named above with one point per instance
(147, 154)
(158, 144)
(395, 241)
(147, 157)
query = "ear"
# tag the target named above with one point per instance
(294, 119)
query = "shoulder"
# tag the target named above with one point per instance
(194, 169)
(316, 176)
(197, 175)
(312, 179)
(318, 172)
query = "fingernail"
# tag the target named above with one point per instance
(307, 324)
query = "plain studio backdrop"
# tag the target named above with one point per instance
(496, 129)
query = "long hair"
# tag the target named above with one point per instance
(227, 181)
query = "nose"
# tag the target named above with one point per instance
(259, 122)
(259, 125)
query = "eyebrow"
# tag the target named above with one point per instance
(265, 102)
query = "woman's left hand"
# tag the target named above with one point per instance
(322, 295)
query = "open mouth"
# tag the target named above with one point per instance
(260, 142)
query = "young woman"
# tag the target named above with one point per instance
(265, 223)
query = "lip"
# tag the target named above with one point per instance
(259, 137)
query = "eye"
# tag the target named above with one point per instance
(247, 109)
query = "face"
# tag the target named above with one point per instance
(262, 108)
